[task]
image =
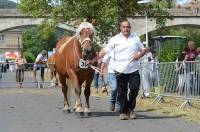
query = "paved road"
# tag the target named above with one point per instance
(9, 80)
(40, 110)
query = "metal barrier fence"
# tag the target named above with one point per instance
(8, 77)
(181, 80)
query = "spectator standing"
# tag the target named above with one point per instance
(98, 79)
(191, 51)
(191, 66)
(5, 66)
(20, 68)
(154, 63)
(183, 77)
(146, 72)
(40, 64)
(108, 62)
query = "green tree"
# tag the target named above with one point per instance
(106, 13)
(34, 42)
(30, 58)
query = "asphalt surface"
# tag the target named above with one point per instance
(8, 80)
(40, 110)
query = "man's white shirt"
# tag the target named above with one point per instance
(123, 49)
(109, 60)
(40, 57)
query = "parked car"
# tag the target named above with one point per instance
(2, 59)
(3, 64)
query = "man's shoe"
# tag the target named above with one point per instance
(123, 116)
(103, 90)
(112, 108)
(117, 109)
(146, 95)
(131, 114)
(41, 86)
(96, 91)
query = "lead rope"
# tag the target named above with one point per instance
(121, 71)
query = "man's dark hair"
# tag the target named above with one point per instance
(124, 20)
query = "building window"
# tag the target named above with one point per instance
(1, 38)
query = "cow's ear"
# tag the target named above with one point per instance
(94, 22)
(77, 22)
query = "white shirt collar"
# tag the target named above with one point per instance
(130, 36)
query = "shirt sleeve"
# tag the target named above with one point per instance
(45, 59)
(106, 58)
(110, 46)
(140, 44)
(38, 58)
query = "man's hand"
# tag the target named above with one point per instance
(41, 62)
(147, 49)
(136, 56)
(90, 62)
(98, 56)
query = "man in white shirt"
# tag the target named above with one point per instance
(127, 49)
(146, 72)
(40, 64)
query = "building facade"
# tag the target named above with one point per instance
(10, 41)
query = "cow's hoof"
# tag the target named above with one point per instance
(88, 114)
(79, 114)
(67, 111)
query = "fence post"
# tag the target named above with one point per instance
(141, 91)
(159, 96)
(186, 86)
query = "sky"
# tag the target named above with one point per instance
(181, 2)
(13, 0)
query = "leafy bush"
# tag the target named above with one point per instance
(170, 51)
(29, 57)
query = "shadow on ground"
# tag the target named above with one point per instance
(139, 116)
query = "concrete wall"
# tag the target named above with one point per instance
(138, 23)
(12, 41)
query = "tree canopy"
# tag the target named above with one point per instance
(106, 13)
(34, 43)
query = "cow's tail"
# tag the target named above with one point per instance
(69, 92)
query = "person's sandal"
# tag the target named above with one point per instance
(131, 114)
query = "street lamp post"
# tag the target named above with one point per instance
(146, 19)
(18, 44)
(146, 29)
